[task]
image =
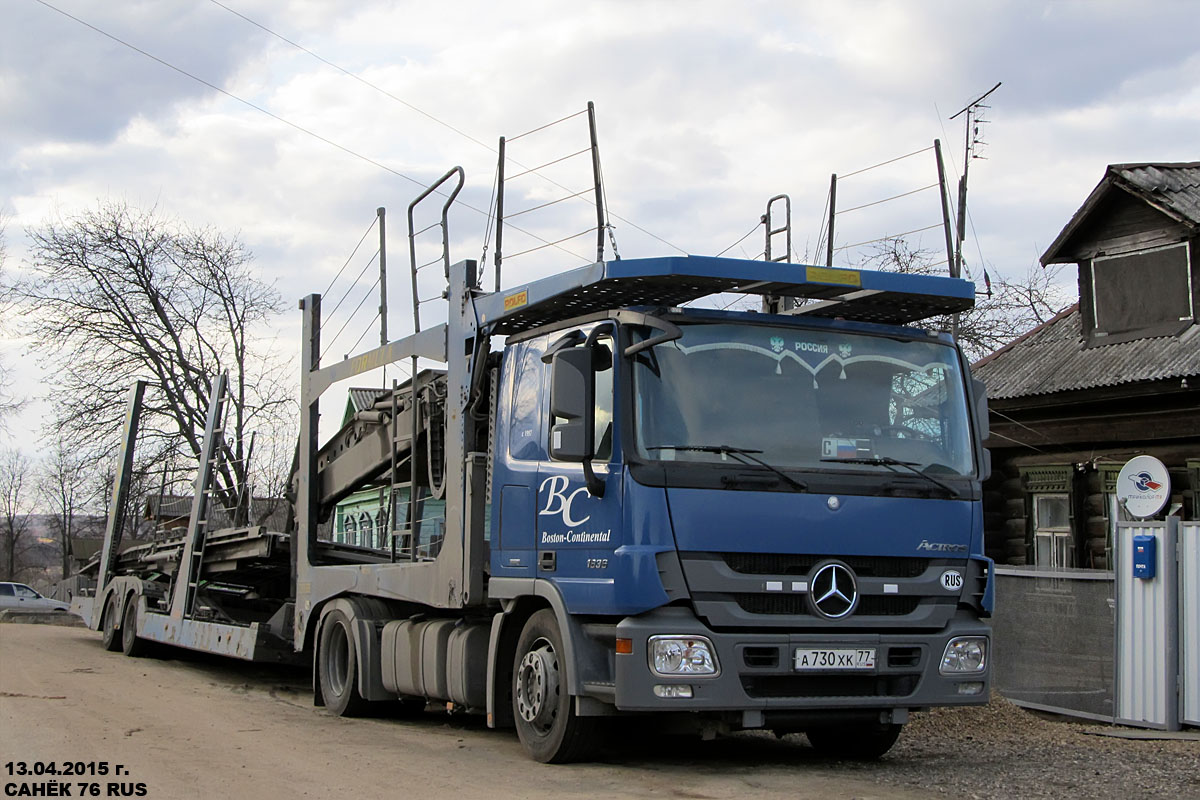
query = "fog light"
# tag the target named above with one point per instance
(682, 655)
(664, 690)
(970, 687)
(964, 654)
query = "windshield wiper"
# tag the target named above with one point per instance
(892, 463)
(742, 452)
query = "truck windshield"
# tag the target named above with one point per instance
(802, 399)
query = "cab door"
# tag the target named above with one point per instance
(577, 532)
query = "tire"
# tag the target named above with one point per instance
(108, 624)
(131, 645)
(337, 667)
(542, 707)
(855, 742)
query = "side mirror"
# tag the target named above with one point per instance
(573, 399)
(979, 394)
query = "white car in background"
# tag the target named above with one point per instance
(20, 597)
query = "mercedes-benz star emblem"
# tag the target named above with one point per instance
(832, 591)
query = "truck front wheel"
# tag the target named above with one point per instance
(542, 708)
(857, 742)
(337, 667)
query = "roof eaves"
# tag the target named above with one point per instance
(1153, 200)
(1093, 199)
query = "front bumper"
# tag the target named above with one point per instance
(756, 669)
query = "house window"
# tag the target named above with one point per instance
(1053, 545)
(350, 532)
(381, 529)
(1051, 539)
(366, 530)
(1148, 292)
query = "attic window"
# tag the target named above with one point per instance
(1148, 292)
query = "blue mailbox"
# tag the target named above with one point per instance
(1145, 549)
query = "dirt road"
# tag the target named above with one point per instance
(197, 727)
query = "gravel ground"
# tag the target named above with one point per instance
(1001, 750)
(996, 751)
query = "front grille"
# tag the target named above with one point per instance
(785, 564)
(761, 657)
(830, 685)
(795, 604)
(900, 657)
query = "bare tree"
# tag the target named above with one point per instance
(15, 507)
(8, 402)
(120, 294)
(1008, 309)
(64, 490)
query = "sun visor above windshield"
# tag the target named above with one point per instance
(862, 295)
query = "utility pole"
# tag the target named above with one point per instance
(832, 214)
(381, 212)
(972, 141)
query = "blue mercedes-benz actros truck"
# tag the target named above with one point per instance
(602, 502)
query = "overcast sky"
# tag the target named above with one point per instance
(704, 111)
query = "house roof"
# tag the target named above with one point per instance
(1051, 358)
(360, 399)
(1173, 189)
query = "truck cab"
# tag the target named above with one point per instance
(767, 520)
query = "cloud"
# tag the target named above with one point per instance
(705, 110)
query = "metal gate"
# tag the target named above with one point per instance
(1054, 640)
(1110, 646)
(1158, 623)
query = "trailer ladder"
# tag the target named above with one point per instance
(187, 577)
(774, 304)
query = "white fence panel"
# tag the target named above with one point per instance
(1147, 630)
(1189, 620)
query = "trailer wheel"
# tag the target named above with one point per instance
(108, 624)
(337, 667)
(131, 645)
(542, 708)
(856, 742)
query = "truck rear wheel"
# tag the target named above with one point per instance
(857, 742)
(542, 707)
(108, 624)
(337, 667)
(131, 645)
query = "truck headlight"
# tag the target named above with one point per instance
(682, 655)
(964, 654)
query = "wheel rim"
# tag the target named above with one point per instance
(537, 686)
(337, 660)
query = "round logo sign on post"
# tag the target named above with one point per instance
(1144, 486)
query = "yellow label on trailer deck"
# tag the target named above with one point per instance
(516, 300)
(840, 277)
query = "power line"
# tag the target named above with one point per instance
(276, 117)
(350, 74)
(881, 163)
(885, 238)
(370, 228)
(888, 199)
(739, 241)
(435, 119)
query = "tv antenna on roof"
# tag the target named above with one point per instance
(973, 141)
